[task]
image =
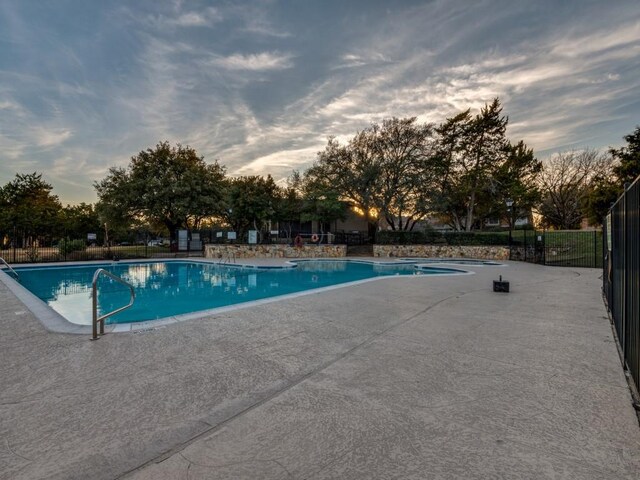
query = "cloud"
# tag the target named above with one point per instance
(7, 105)
(577, 45)
(50, 137)
(255, 62)
(279, 163)
(205, 18)
(193, 19)
(260, 86)
(355, 60)
(261, 27)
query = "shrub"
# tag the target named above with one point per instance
(477, 238)
(67, 246)
(32, 253)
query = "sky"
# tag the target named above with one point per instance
(261, 85)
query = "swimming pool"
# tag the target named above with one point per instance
(169, 289)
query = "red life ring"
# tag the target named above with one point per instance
(315, 238)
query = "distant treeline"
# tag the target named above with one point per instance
(462, 172)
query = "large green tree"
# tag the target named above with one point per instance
(79, 220)
(450, 200)
(515, 179)
(290, 203)
(607, 184)
(353, 170)
(170, 185)
(321, 201)
(250, 204)
(483, 168)
(28, 208)
(602, 191)
(388, 171)
(409, 170)
(628, 168)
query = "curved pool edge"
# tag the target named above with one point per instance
(51, 320)
(54, 322)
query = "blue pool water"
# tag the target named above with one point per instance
(165, 289)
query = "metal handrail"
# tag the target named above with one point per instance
(9, 267)
(227, 259)
(101, 319)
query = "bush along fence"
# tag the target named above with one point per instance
(621, 275)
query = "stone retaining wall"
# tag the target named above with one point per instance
(275, 251)
(486, 252)
(337, 251)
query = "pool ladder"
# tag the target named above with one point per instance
(227, 259)
(100, 319)
(2, 260)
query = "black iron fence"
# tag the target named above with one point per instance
(621, 274)
(34, 249)
(15, 248)
(559, 248)
(556, 248)
(570, 248)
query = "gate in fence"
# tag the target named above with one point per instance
(562, 248)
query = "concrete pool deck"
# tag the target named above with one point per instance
(420, 377)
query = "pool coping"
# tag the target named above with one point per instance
(55, 322)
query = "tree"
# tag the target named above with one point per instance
(409, 170)
(472, 148)
(516, 179)
(564, 183)
(353, 171)
(28, 207)
(629, 157)
(78, 220)
(169, 185)
(251, 203)
(386, 171)
(450, 200)
(608, 184)
(602, 191)
(290, 203)
(321, 202)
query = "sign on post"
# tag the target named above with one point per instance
(183, 240)
(253, 236)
